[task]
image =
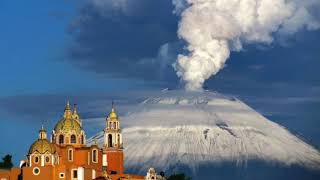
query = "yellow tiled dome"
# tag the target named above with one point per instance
(67, 125)
(42, 146)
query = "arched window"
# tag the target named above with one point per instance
(82, 139)
(61, 139)
(109, 140)
(36, 159)
(47, 159)
(73, 139)
(70, 155)
(115, 125)
(111, 125)
(94, 155)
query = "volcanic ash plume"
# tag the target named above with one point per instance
(213, 28)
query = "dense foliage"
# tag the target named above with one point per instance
(6, 162)
(179, 176)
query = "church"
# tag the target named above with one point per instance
(66, 156)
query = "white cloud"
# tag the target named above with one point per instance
(213, 28)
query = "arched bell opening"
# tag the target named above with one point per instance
(109, 140)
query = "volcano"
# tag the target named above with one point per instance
(207, 134)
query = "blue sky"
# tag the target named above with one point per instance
(33, 47)
(54, 50)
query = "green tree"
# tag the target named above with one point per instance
(6, 162)
(179, 176)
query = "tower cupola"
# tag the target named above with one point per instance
(113, 114)
(42, 133)
(113, 149)
(42, 145)
(112, 132)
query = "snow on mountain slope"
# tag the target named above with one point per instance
(192, 128)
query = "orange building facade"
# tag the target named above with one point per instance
(66, 156)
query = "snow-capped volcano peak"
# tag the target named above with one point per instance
(185, 98)
(192, 128)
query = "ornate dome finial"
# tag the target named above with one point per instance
(67, 111)
(112, 106)
(42, 133)
(75, 110)
(113, 113)
(68, 106)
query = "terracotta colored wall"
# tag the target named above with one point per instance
(115, 161)
(80, 157)
(46, 173)
(13, 173)
(59, 169)
(88, 174)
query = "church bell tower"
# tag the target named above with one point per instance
(113, 149)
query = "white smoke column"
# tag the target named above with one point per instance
(213, 28)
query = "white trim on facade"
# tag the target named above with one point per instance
(80, 173)
(42, 160)
(70, 150)
(104, 160)
(88, 158)
(30, 160)
(93, 174)
(94, 152)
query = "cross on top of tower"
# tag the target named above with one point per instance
(113, 113)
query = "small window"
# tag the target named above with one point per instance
(61, 139)
(36, 171)
(75, 174)
(36, 159)
(47, 159)
(73, 139)
(61, 175)
(70, 155)
(94, 155)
